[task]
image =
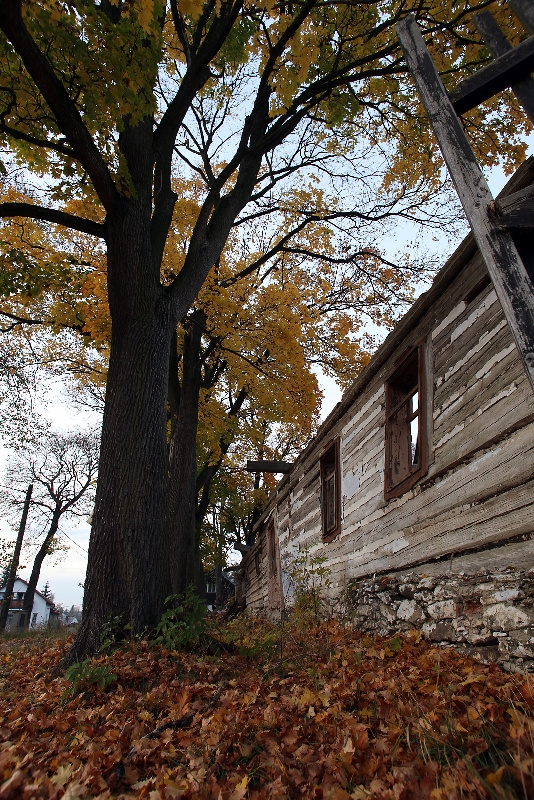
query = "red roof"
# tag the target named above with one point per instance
(48, 602)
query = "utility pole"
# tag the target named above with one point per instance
(12, 574)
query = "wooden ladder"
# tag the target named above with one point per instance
(499, 227)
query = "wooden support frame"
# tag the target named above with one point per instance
(508, 274)
(524, 11)
(498, 45)
(517, 209)
(511, 68)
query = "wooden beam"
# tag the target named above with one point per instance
(507, 271)
(519, 218)
(268, 466)
(516, 210)
(499, 45)
(524, 11)
(505, 71)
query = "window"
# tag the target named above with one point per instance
(34, 619)
(330, 492)
(271, 549)
(406, 423)
(273, 570)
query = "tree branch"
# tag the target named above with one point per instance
(25, 137)
(53, 215)
(67, 115)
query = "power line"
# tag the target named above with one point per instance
(73, 542)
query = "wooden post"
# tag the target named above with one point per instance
(4, 610)
(269, 466)
(524, 11)
(499, 45)
(507, 271)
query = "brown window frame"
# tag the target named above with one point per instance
(404, 380)
(271, 550)
(331, 469)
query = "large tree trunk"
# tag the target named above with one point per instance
(128, 571)
(135, 560)
(184, 556)
(27, 605)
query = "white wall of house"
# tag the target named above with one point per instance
(41, 606)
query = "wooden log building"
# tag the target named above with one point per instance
(428, 459)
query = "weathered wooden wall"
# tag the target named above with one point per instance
(478, 493)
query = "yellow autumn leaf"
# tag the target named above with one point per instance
(241, 789)
(495, 777)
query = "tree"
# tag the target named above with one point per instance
(102, 98)
(246, 354)
(11, 573)
(62, 468)
(6, 553)
(46, 592)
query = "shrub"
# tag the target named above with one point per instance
(183, 624)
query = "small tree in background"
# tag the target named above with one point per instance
(47, 594)
(6, 552)
(63, 469)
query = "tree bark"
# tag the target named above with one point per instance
(27, 605)
(183, 554)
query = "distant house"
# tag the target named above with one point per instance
(40, 611)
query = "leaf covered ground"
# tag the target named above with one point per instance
(281, 712)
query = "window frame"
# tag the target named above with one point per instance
(393, 488)
(272, 554)
(331, 458)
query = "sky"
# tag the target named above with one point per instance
(66, 578)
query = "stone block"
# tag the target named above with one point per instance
(488, 655)
(387, 613)
(502, 617)
(524, 635)
(446, 590)
(439, 632)
(444, 609)
(410, 611)
(428, 582)
(503, 594)
(474, 632)
(515, 649)
(483, 588)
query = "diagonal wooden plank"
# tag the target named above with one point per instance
(505, 71)
(499, 45)
(507, 271)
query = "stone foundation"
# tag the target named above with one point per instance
(488, 616)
